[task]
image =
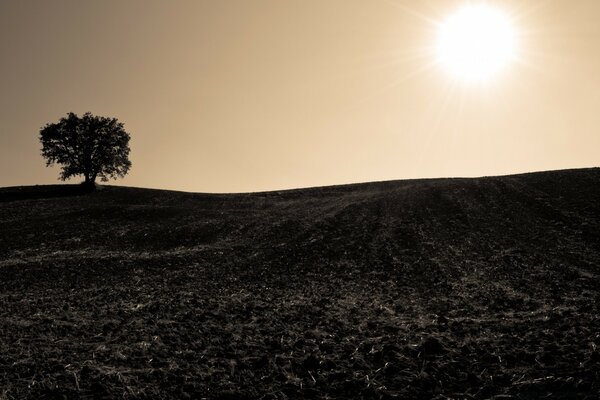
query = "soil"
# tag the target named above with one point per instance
(483, 288)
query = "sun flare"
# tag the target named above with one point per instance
(476, 42)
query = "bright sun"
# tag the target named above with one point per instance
(476, 42)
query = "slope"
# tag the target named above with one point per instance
(463, 288)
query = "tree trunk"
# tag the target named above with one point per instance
(89, 182)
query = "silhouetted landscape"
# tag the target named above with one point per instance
(419, 289)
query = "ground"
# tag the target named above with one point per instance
(420, 289)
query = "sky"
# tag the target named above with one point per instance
(241, 96)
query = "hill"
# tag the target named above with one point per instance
(438, 288)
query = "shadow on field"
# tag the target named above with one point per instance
(18, 193)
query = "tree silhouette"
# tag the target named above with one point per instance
(91, 146)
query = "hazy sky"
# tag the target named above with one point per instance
(228, 96)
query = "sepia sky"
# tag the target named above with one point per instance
(252, 95)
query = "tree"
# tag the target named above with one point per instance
(91, 146)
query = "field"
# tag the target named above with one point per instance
(483, 288)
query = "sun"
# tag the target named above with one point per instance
(476, 42)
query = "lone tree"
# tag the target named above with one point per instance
(90, 145)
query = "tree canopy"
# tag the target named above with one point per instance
(92, 146)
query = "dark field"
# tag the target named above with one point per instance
(427, 289)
